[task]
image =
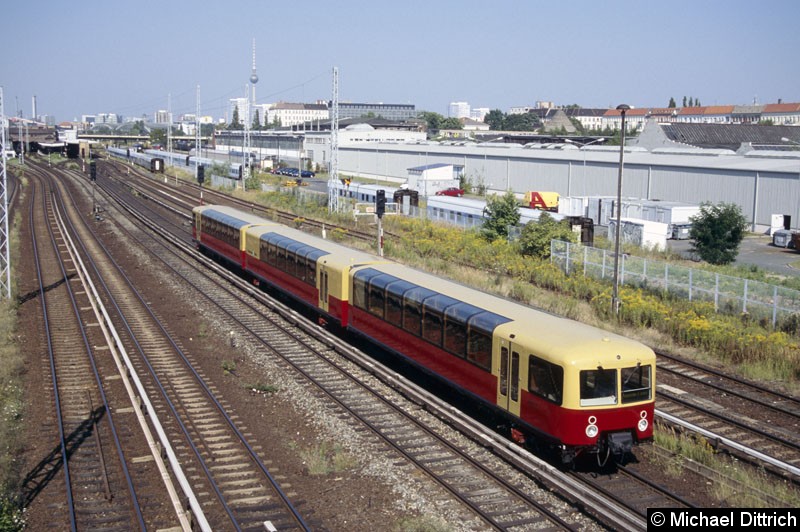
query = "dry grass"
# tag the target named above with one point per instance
(746, 483)
(11, 399)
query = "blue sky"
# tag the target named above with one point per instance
(108, 56)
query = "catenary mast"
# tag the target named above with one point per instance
(333, 192)
(5, 245)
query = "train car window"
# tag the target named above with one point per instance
(361, 286)
(412, 308)
(546, 380)
(514, 376)
(263, 251)
(636, 384)
(432, 322)
(377, 293)
(480, 329)
(455, 327)
(598, 387)
(311, 265)
(294, 263)
(394, 301)
(433, 309)
(280, 261)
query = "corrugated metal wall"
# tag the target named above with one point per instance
(760, 193)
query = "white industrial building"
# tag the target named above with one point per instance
(762, 183)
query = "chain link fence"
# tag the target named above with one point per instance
(731, 295)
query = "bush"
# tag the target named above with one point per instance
(717, 232)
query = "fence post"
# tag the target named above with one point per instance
(774, 306)
(585, 258)
(666, 277)
(603, 273)
(690, 284)
(622, 269)
(566, 261)
(744, 299)
(716, 292)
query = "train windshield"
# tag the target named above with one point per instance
(598, 387)
(636, 384)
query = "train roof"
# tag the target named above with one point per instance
(551, 335)
(233, 215)
(335, 253)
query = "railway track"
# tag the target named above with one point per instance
(667, 497)
(352, 392)
(749, 420)
(96, 489)
(399, 433)
(186, 194)
(231, 487)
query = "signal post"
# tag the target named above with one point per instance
(380, 209)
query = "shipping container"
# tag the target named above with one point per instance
(643, 233)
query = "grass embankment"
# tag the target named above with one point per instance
(11, 399)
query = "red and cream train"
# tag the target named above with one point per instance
(574, 388)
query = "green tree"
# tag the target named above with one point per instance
(495, 119)
(521, 122)
(158, 136)
(256, 126)
(137, 128)
(235, 123)
(580, 130)
(717, 230)
(451, 123)
(432, 120)
(500, 213)
(672, 103)
(535, 237)
(684, 101)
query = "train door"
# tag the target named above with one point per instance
(323, 287)
(508, 392)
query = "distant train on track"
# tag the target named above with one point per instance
(557, 384)
(155, 161)
(148, 162)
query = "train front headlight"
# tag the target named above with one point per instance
(643, 423)
(592, 431)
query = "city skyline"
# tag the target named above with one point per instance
(130, 58)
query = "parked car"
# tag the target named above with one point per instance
(452, 191)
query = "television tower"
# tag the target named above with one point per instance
(253, 75)
(249, 119)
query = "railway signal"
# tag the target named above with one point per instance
(201, 177)
(380, 203)
(380, 209)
